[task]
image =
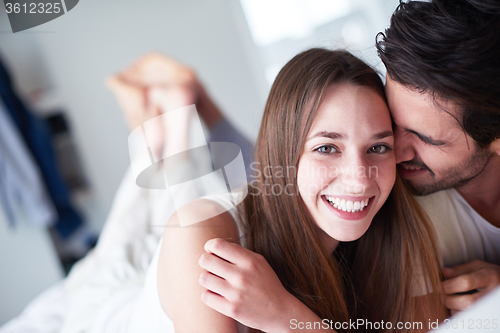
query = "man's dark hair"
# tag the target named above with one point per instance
(451, 49)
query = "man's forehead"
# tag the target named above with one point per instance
(422, 112)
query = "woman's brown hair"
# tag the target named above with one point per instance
(373, 278)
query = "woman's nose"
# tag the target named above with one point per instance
(357, 174)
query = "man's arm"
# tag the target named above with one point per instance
(241, 284)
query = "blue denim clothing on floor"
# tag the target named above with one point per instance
(37, 137)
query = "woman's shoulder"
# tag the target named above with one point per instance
(219, 210)
(183, 243)
(207, 211)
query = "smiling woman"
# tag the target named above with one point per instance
(352, 130)
(344, 246)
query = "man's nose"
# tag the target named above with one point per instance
(403, 147)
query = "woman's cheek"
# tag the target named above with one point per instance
(312, 177)
(387, 175)
(304, 181)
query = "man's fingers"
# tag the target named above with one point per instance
(465, 289)
(217, 266)
(214, 283)
(220, 304)
(231, 252)
(450, 273)
(465, 268)
(215, 301)
(486, 278)
(465, 283)
(461, 302)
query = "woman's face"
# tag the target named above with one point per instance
(347, 166)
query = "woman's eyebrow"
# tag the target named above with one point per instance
(382, 135)
(330, 135)
(337, 136)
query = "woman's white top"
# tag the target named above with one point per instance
(138, 309)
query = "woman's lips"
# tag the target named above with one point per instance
(359, 212)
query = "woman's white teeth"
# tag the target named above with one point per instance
(347, 205)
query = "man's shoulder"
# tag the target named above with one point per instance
(448, 220)
(447, 206)
(459, 236)
(439, 204)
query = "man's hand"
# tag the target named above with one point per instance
(243, 286)
(467, 283)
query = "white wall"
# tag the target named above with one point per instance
(29, 265)
(72, 55)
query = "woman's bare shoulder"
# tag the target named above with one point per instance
(205, 212)
(183, 243)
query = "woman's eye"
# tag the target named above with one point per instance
(326, 149)
(379, 149)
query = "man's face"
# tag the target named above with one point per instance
(432, 150)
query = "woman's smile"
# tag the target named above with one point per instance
(351, 208)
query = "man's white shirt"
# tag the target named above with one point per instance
(463, 234)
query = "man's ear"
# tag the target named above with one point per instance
(495, 146)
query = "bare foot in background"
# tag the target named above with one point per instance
(160, 71)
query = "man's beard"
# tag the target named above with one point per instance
(453, 177)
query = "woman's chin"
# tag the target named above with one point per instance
(351, 233)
